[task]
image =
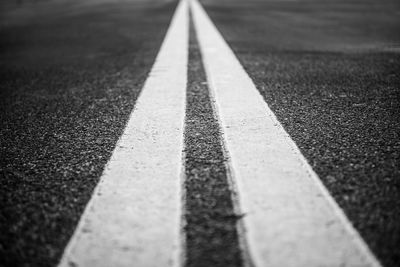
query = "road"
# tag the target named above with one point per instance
(329, 70)
(71, 72)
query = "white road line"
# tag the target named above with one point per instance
(134, 216)
(290, 218)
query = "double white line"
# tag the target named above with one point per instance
(134, 216)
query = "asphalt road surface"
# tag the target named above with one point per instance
(330, 71)
(70, 74)
(71, 71)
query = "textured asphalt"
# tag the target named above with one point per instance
(330, 71)
(211, 222)
(70, 73)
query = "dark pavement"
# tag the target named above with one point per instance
(72, 70)
(211, 238)
(330, 71)
(70, 73)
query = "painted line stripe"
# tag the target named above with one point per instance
(290, 218)
(133, 218)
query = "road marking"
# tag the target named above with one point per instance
(134, 216)
(290, 218)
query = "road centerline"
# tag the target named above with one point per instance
(290, 218)
(134, 214)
